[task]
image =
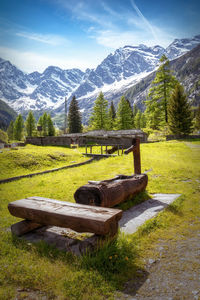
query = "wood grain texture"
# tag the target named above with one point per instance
(109, 193)
(80, 218)
(23, 227)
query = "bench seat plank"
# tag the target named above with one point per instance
(81, 218)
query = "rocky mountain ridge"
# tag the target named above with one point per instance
(117, 72)
(186, 69)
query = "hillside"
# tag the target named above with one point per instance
(6, 115)
(186, 68)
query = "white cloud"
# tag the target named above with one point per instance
(54, 40)
(32, 61)
(144, 20)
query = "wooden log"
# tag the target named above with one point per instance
(23, 227)
(78, 217)
(109, 193)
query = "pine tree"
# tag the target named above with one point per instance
(143, 120)
(135, 110)
(197, 119)
(18, 128)
(99, 117)
(51, 128)
(180, 118)
(138, 119)
(74, 117)
(159, 93)
(10, 130)
(124, 118)
(45, 124)
(111, 116)
(154, 115)
(30, 124)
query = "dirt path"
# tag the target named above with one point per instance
(173, 275)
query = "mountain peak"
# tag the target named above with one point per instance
(114, 75)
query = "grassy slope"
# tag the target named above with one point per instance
(32, 159)
(175, 169)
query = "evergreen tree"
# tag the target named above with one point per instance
(135, 110)
(197, 119)
(30, 124)
(138, 119)
(180, 118)
(111, 116)
(99, 117)
(159, 93)
(74, 117)
(10, 130)
(51, 128)
(142, 120)
(124, 118)
(18, 128)
(45, 124)
(154, 115)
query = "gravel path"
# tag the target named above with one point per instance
(173, 275)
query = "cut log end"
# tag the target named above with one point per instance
(109, 193)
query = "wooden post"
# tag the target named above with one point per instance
(90, 149)
(86, 149)
(135, 148)
(101, 149)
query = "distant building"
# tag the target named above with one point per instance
(102, 137)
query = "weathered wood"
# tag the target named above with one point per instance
(135, 148)
(109, 193)
(23, 227)
(80, 218)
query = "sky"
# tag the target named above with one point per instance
(35, 34)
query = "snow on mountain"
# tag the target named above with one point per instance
(117, 72)
(181, 46)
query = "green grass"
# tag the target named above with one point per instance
(30, 159)
(174, 168)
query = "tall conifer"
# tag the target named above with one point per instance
(18, 128)
(180, 118)
(74, 117)
(124, 118)
(30, 124)
(159, 93)
(99, 117)
(51, 128)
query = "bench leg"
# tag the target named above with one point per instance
(23, 227)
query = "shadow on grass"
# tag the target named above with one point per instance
(115, 261)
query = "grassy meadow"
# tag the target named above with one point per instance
(30, 159)
(26, 269)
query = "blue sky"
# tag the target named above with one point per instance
(81, 33)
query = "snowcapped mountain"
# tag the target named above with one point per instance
(117, 72)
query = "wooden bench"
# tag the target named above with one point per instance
(38, 211)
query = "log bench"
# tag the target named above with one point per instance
(38, 211)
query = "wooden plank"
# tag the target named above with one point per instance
(78, 217)
(23, 227)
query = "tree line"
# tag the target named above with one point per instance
(18, 129)
(166, 107)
